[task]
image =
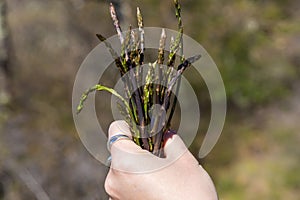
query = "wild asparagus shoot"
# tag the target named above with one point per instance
(143, 93)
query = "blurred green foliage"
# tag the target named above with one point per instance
(249, 42)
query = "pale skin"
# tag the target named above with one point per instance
(182, 178)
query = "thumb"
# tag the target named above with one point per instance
(121, 127)
(131, 158)
(117, 127)
(126, 155)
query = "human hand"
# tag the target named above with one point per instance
(137, 174)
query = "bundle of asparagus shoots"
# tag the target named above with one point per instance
(147, 127)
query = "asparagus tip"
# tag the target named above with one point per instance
(100, 37)
(194, 58)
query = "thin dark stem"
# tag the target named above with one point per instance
(180, 70)
(180, 29)
(113, 54)
(160, 61)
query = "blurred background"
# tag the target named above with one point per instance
(255, 44)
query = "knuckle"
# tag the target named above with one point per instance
(109, 185)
